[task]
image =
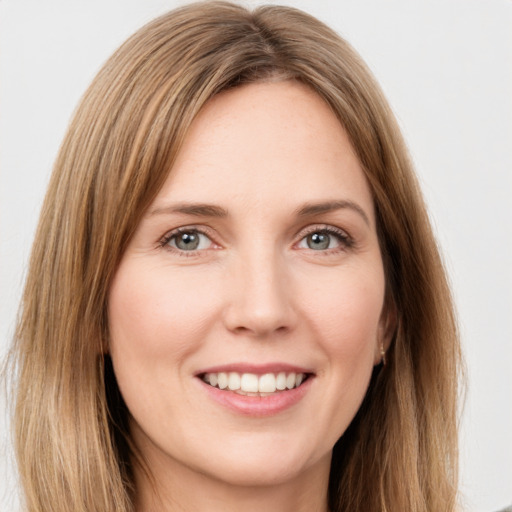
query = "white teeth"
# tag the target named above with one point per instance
(222, 379)
(234, 381)
(267, 383)
(249, 383)
(252, 384)
(281, 381)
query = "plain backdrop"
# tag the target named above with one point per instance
(446, 67)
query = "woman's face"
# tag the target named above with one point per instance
(258, 266)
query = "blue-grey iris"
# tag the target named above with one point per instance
(187, 241)
(318, 241)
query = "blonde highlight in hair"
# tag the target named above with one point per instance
(72, 442)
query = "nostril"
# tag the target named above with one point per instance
(260, 330)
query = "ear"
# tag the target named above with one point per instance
(387, 327)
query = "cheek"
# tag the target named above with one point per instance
(346, 312)
(156, 323)
(150, 311)
(343, 311)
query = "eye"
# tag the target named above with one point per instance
(325, 239)
(187, 240)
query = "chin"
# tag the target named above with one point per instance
(266, 464)
(249, 473)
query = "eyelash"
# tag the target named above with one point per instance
(344, 239)
(164, 242)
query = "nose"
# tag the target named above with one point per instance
(260, 297)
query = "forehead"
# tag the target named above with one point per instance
(266, 144)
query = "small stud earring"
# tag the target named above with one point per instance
(383, 354)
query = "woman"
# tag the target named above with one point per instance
(234, 286)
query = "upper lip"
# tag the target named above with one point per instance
(258, 369)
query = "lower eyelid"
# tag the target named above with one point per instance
(166, 239)
(344, 240)
(342, 236)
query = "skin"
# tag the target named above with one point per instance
(253, 291)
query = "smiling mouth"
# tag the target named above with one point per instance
(251, 384)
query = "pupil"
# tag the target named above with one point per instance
(187, 241)
(318, 241)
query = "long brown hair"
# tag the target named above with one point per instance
(72, 444)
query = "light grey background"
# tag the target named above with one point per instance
(446, 67)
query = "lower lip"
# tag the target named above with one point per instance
(258, 405)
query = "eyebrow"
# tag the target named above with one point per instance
(196, 209)
(311, 209)
(211, 210)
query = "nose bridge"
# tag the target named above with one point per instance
(261, 302)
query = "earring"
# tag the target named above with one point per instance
(383, 354)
